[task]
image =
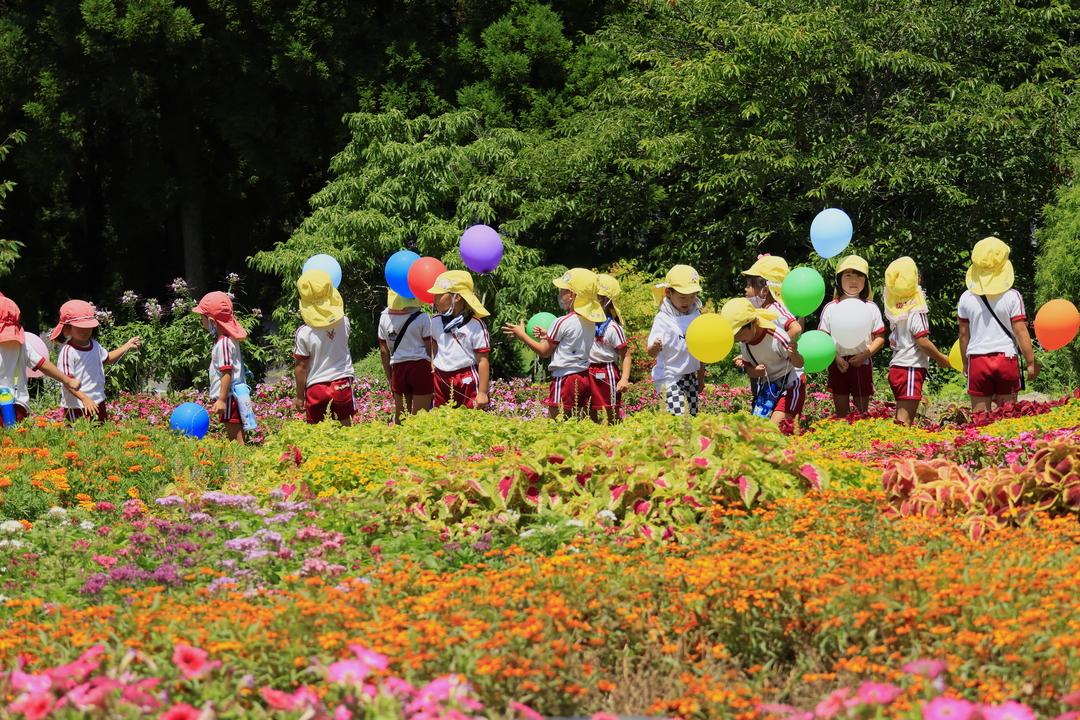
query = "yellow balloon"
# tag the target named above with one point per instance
(954, 357)
(709, 338)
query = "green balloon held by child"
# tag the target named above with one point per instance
(541, 319)
(817, 349)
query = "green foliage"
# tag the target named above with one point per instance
(1058, 273)
(9, 249)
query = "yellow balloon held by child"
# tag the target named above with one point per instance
(955, 359)
(709, 338)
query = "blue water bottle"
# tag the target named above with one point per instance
(7, 406)
(242, 393)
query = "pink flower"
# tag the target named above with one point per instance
(180, 711)
(342, 713)
(617, 491)
(948, 708)
(925, 668)
(1072, 699)
(347, 672)
(833, 703)
(141, 693)
(812, 475)
(373, 660)
(92, 694)
(33, 706)
(278, 699)
(1008, 711)
(24, 682)
(525, 711)
(191, 661)
(872, 693)
(603, 716)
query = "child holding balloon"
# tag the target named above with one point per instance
(406, 348)
(82, 358)
(226, 361)
(323, 367)
(770, 358)
(678, 375)
(912, 348)
(857, 328)
(462, 343)
(764, 280)
(568, 343)
(609, 359)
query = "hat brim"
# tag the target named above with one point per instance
(561, 284)
(231, 328)
(12, 333)
(87, 324)
(590, 309)
(988, 283)
(479, 311)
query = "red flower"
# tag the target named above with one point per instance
(181, 711)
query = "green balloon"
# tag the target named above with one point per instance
(542, 319)
(803, 290)
(818, 350)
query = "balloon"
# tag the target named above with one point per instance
(421, 277)
(191, 419)
(541, 319)
(325, 263)
(830, 232)
(1056, 324)
(397, 272)
(803, 291)
(709, 338)
(850, 324)
(817, 349)
(481, 248)
(955, 358)
(34, 342)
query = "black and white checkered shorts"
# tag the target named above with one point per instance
(681, 396)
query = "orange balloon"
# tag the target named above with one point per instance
(422, 275)
(1056, 324)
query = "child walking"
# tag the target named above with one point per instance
(462, 343)
(993, 328)
(678, 375)
(16, 356)
(568, 343)
(909, 337)
(82, 357)
(226, 361)
(406, 348)
(323, 367)
(770, 358)
(609, 359)
(851, 375)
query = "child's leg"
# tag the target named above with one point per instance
(1000, 400)
(862, 403)
(235, 432)
(906, 410)
(981, 403)
(840, 405)
(420, 403)
(399, 406)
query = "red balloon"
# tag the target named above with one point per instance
(422, 274)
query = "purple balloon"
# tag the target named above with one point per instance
(481, 248)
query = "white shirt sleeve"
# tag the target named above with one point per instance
(878, 321)
(1015, 306)
(424, 321)
(33, 360)
(384, 327)
(824, 322)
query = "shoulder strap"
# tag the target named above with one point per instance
(1001, 325)
(401, 332)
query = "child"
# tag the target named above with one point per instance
(852, 373)
(608, 379)
(770, 358)
(226, 363)
(678, 376)
(993, 328)
(763, 282)
(462, 343)
(16, 356)
(323, 366)
(82, 358)
(568, 343)
(406, 348)
(912, 349)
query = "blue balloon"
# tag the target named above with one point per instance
(830, 232)
(191, 419)
(397, 272)
(327, 264)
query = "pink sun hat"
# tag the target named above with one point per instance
(10, 325)
(218, 307)
(78, 313)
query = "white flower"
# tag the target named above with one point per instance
(10, 527)
(574, 523)
(86, 525)
(56, 513)
(606, 515)
(527, 532)
(3, 599)
(11, 543)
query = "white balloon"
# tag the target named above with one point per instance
(850, 324)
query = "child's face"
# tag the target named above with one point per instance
(746, 333)
(443, 301)
(852, 282)
(78, 334)
(682, 302)
(752, 292)
(566, 298)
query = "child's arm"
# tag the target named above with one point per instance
(384, 355)
(794, 356)
(927, 346)
(223, 394)
(483, 369)
(860, 358)
(701, 377)
(794, 330)
(49, 370)
(300, 374)
(135, 342)
(1023, 339)
(543, 347)
(627, 364)
(965, 338)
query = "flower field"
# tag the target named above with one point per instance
(499, 565)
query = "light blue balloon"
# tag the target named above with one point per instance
(397, 272)
(830, 232)
(327, 264)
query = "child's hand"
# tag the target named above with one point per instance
(943, 362)
(858, 359)
(482, 399)
(1033, 370)
(758, 371)
(656, 347)
(740, 363)
(73, 384)
(218, 407)
(135, 342)
(88, 404)
(539, 333)
(841, 364)
(299, 404)
(515, 331)
(622, 385)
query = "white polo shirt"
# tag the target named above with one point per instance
(414, 345)
(14, 360)
(674, 359)
(772, 351)
(606, 348)
(987, 337)
(87, 365)
(574, 337)
(225, 357)
(327, 350)
(461, 347)
(905, 351)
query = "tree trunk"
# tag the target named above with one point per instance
(194, 253)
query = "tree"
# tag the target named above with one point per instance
(9, 249)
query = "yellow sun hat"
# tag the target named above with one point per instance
(773, 269)
(991, 271)
(680, 278)
(459, 282)
(396, 302)
(320, 302)
(740, 311)
(582, 283)
(607, 286)
(854, 262)
(903, 295)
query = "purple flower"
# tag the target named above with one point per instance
(170, 501)
(94, 584)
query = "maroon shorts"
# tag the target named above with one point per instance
(907, 382)
(456, 386)
(857, 381)
(412, 377)
(231, 414)
(603, 377)
(337, 395)
(570, 392)
(73, 414)
(793, 399)
(994, 374)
